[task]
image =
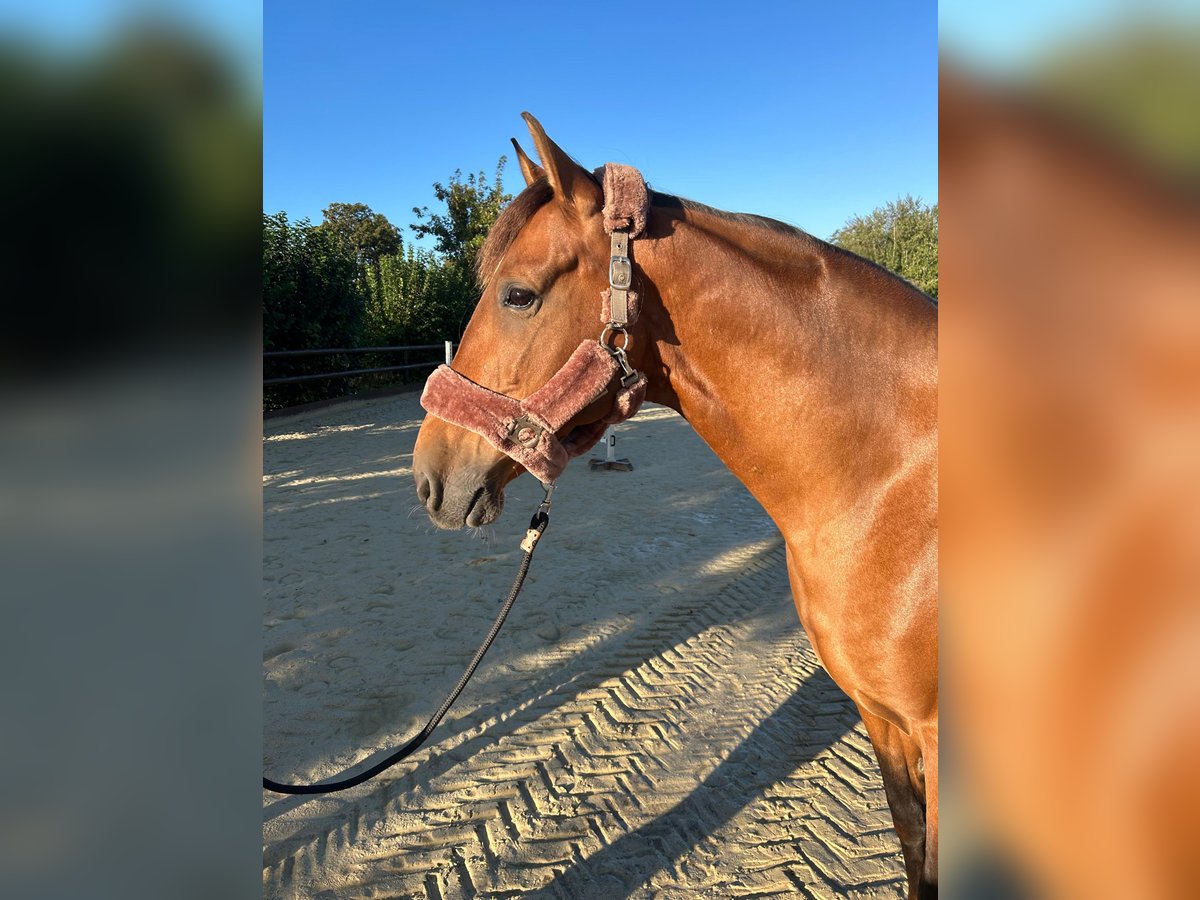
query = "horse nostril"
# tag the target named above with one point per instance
(429, 491)
(476, 510)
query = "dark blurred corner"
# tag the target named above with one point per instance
(130, 187)
(1070, 453)
(131, 183)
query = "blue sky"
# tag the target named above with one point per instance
(806, 112)
(1003, 38)
(77, 25)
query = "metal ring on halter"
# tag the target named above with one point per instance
(525, 431)
(614, 329)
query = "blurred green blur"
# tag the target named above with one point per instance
(1137, 86)
(131, 187)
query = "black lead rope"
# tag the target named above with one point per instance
(537, 525)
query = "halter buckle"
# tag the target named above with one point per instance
(525, 432)
(620, 273)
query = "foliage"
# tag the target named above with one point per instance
(311, 299)
(901, 236)
(369, 234)
(310, 293)
(350, 282)
(417, 299)
(472, 207)
(1138, 84)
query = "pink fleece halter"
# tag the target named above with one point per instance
(526, 430)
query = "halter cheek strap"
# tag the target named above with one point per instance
(526, 430)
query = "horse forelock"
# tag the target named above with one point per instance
(508, 225)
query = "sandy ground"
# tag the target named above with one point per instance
(651, 722)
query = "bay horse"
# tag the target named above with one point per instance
(811, 373)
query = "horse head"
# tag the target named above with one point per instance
(542, 273)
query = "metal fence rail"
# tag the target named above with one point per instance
(447, 346)
(270, 354)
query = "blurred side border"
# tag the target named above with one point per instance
(130, 474)
(1070, 464)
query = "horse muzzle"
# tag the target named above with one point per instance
(459, 478)
(459, 502)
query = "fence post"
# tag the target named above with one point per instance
(449, 352)
(610, 461)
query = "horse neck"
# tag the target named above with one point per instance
(808, 371)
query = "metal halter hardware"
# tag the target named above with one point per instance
(611, 330)
(629, 374)
(525, 431)
(620, 280)
(620, 273)
(620, 277)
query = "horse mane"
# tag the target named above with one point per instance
(669, 201)
(517, 214)
(813, 242)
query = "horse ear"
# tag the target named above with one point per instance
(531, 170)
(572, 184)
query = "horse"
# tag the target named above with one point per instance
(810, 372)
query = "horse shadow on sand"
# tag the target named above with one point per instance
(777, 746)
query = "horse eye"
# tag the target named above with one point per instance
(519, 298)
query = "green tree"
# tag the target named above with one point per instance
(368, 234)
(901, 236)
(350, 282)
(418, 299)
(472, 207)
(311, 297)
